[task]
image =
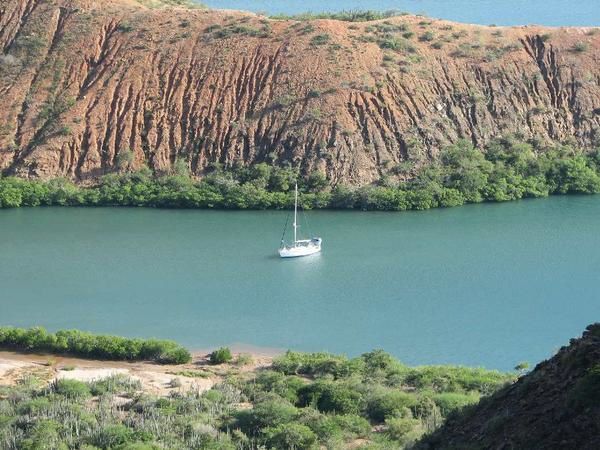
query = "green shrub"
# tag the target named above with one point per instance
(314, 364)
(174, 354)
(323, 425)
(450, 402)
(286, 387)
(44, 435)
(379, 360)
(10, 197)
(580, 47)
(92, 346)
(395, 43)
(269, 413)
(111, 436)
(404, 430)
(72, 389)
(34, 406)
(389, 403)
(522, 366)
(455, 379)
(331, 397)
(320, 39)
(290, 435)
(353, 425)
(221, 356)
(125, 27)
(115, 384)
(428, 36)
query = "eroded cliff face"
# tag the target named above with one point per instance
(86, 85)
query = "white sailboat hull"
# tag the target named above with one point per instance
(302, 248)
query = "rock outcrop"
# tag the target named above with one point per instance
(88, 84)
(556, 406)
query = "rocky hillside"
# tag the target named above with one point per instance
(556, 406)
(87, 85)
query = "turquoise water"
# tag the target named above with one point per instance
(487, 285)
(484, 12)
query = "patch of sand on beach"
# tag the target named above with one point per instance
(88, 375)
(153, 382)
(8, 365)
(156, 379)
(10, 370)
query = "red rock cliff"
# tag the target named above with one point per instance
(85, 84)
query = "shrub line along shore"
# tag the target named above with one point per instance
(508, 169)
(87, 345)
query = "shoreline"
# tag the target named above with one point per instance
(200, 358)
(384, 199)
(241, 348)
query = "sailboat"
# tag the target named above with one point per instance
(302, 247)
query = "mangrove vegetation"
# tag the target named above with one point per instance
(507, 169)
(87, 345)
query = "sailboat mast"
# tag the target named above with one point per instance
(295, 214)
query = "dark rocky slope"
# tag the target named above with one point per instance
(84, 84)
(556, 406)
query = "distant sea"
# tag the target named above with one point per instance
(483, 12)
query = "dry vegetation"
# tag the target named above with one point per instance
(296, 400)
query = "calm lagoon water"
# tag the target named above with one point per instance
(486, 285)
(484, 12)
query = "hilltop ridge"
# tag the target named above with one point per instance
(87, 84)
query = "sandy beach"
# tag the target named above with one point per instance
(156, 379)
